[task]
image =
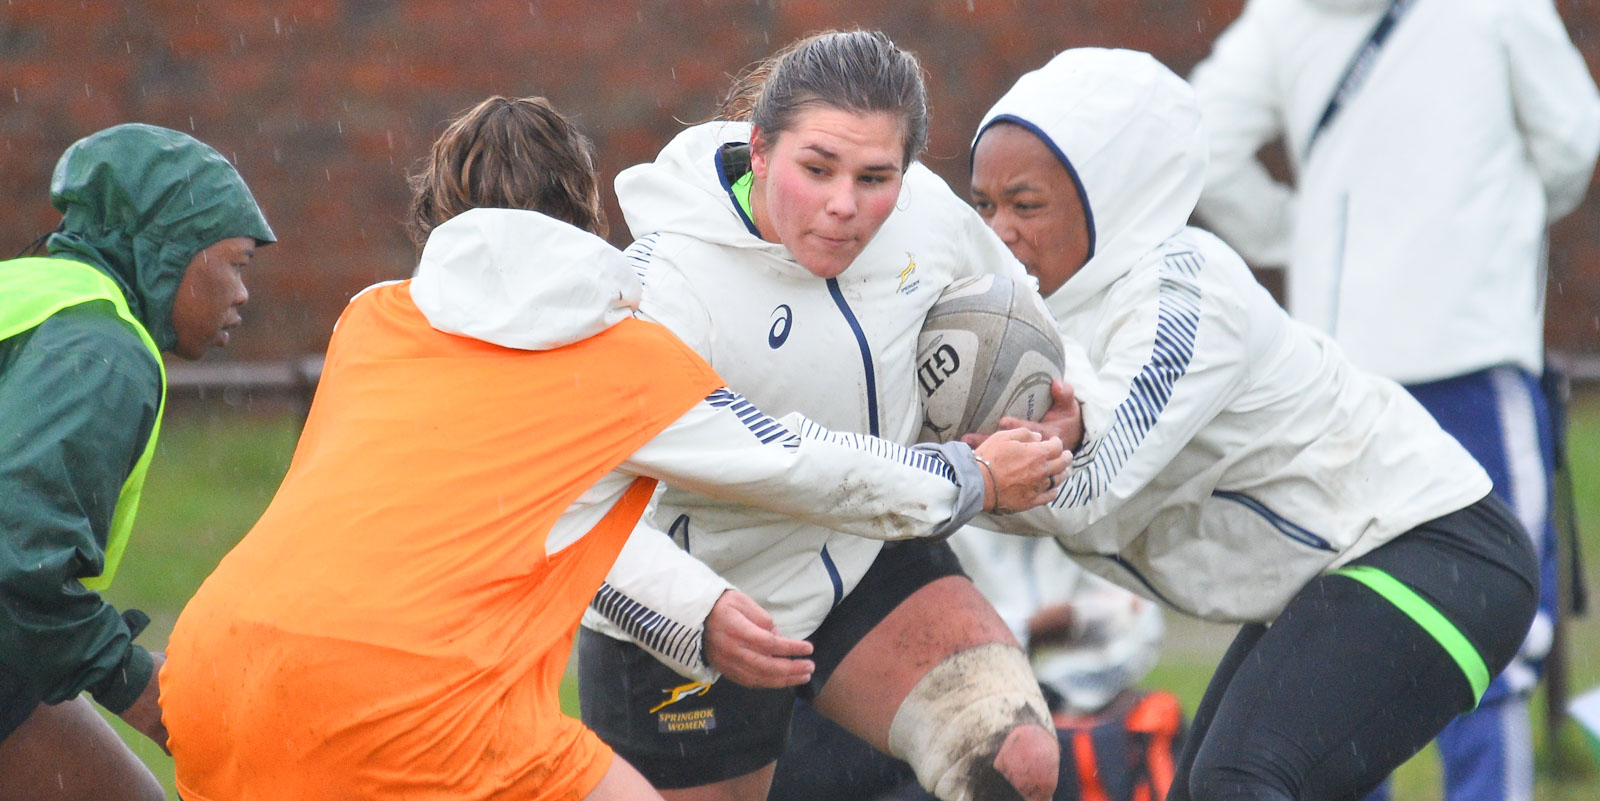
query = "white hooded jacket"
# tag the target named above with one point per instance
(841, 350)
(1415, 231)
(523, 280)
(1231, 454)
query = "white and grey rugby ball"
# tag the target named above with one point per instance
(988, 349)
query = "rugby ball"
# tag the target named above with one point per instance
(988, 349)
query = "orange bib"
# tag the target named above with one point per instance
(393, 625)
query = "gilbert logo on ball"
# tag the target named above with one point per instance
(988, 349)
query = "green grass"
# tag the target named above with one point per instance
(216, 469)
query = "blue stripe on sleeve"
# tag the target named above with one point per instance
(770, 431)
(1177, 322)
(638, 255)
(648, 627)
(765, 429)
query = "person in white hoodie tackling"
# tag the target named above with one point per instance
(482, 442)
(1414, 235)
(797, 245)
(1233, 464)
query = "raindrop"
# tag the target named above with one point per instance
(241, 40)
(277, 28)
(16, 95)
(388, 136)
(340, 125)
(674, 71)
(326, 173)
(87, 92)
(128, 45)
(969, 7)
(191, 122)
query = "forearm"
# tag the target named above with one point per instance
(659, 596)
(727, 450)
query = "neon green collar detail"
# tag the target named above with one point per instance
(741, 192)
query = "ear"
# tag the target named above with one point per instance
(758, 153)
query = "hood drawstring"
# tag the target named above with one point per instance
(33, 248)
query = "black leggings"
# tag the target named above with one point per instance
(1344, 686)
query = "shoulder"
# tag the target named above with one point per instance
(83, 370)
(668, 250)
(656, 349)
(91, 337)
(1190, 275)
(923, 192)
(662, 262)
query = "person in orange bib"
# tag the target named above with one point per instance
(483, 440)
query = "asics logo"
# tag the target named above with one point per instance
(782, 318)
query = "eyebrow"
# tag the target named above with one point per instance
(1012, 190)
(832, 156)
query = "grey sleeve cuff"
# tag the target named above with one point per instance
(968, 479)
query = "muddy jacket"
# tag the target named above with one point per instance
(841, 351)
(80, 394)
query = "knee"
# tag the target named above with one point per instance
(976, 728)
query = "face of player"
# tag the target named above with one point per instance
(210, 295)
(1027, 196)
(824, 187)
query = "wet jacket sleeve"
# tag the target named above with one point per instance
(1237, 90)
(1557, 106)
(1174, 358)
(724, 448)
(78, 396)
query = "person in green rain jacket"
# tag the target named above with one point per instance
(156, 229)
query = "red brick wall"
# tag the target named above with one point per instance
(324, 104)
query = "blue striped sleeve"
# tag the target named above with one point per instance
(1177, 322)
(649, 628)
(769, 431)
(638, 255)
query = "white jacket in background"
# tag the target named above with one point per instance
(841, 351)
(1415, 233)
(1231, 454)
(523, 280)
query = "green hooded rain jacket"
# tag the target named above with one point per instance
(80, 394)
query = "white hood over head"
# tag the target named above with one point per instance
(521, 279)
(1128, 131)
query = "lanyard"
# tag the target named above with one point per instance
(1360, 67)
